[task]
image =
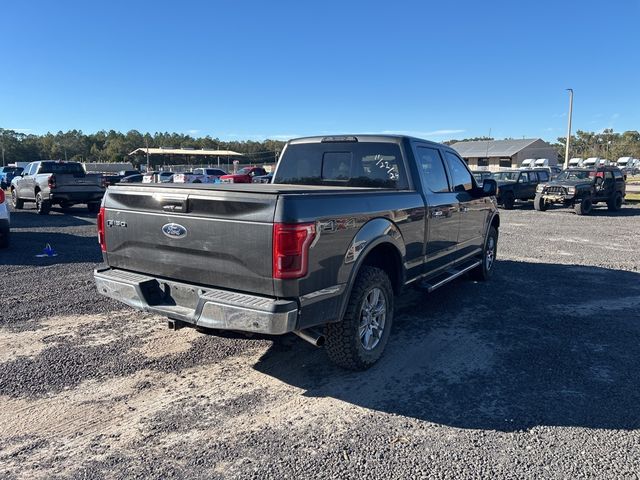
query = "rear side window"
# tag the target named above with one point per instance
(432, 170)
(357, 164)
(460, 175)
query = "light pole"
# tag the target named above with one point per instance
(566, 147)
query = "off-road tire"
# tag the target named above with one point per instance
(484, 271)
(508, 201)
(93, 207)
(43, 207)
(343, 344)
(16, 202)
(4, 237)
(615, 203)
(584, 207)
(539, 204)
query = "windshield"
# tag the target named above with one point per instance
(576, 175)
(11, 169)
(506, 176)
(243, 171)
(348, 164)
(61, 167)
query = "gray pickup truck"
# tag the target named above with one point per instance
(51, 182)
(320, 252)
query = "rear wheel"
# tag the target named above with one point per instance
(93, 207)
(359, 340)
(584, 207)
(539, 204)
(508, 201)
(615, 203)
(42, 206)
(16, 202)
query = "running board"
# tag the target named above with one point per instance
(448, 275)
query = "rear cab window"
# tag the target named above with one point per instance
(61, 168)
(348, 164)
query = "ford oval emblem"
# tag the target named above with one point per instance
(174, 230)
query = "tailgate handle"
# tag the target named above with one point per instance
(176, 205)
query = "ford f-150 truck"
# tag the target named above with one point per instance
(320, 252)
(51, 182)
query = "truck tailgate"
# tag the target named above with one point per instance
(219, 238)
(71, 183)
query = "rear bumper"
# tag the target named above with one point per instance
(79, 197)
(202, 307)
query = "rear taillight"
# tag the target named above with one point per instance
(2, 196)
(291, 244)
(52, 181)
(100, 224)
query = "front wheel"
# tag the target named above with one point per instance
(42, 206)
(584, 207)
(509, 201)
(358, 341)
(484, 271)
(16, 202)
(539, 204)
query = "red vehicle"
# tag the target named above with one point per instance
(244, 175)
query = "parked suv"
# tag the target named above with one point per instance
(321, 252)
(7, 174)
(518, 185)
(581, 188)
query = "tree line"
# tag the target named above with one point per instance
(112, 146)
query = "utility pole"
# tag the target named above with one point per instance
(146, 141)
(566, 147)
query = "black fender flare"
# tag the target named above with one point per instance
(375, 232)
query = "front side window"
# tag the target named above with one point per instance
(432, 170)
(524, 178)
(461, 178)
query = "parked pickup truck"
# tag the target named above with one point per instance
(244, 175)
(320, 252)
(51, 182)
(199, 175)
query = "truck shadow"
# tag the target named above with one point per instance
(57, 218)
(26, 245)
(539, 345)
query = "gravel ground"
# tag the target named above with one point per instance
(534, 374)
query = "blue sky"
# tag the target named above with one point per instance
(240, 70)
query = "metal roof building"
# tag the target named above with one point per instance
(495, 154)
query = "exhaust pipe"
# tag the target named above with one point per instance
(314, 338)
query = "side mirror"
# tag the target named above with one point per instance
(489, 187)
